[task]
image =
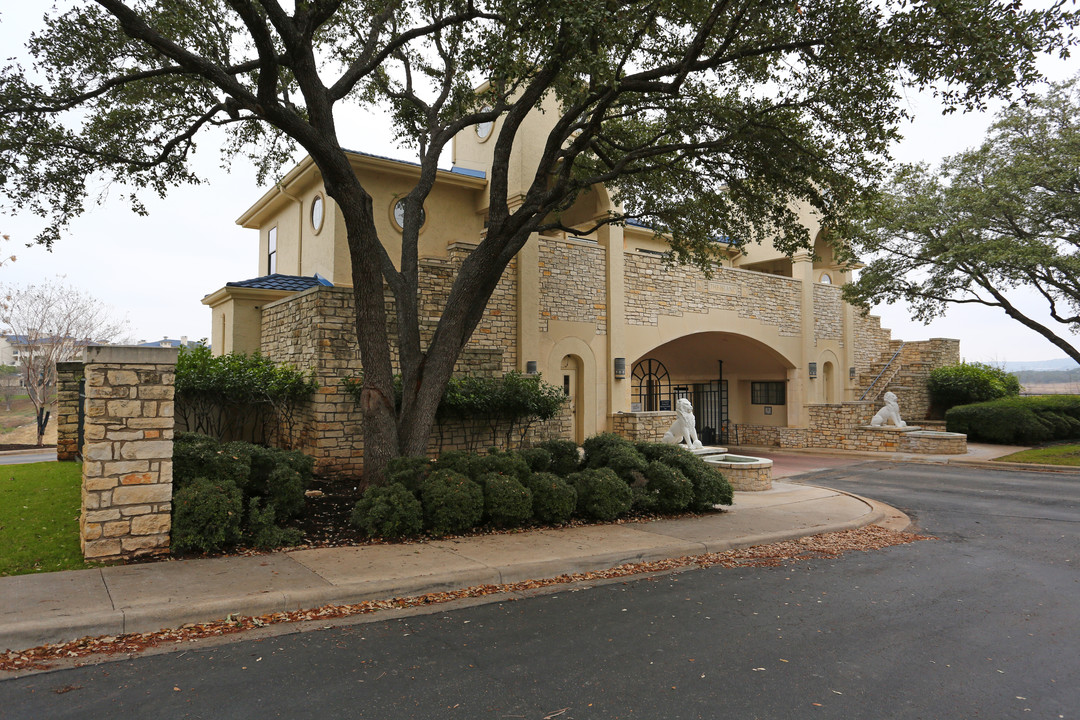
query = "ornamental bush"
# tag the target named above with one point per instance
(966, 383)
(206, 515)
(673, 491)
(408, 471)
(710, 486)
(553, 498)
(388, 512)
(276, 479)
(507, 503)
(452, 502)
(510, 464)
(601, 494)
(1018, 420)
(538, 459)
(565, 457)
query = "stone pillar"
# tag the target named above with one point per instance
(127, 452)
(68, 375)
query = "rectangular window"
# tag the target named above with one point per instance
(768, 393)
(271, 251)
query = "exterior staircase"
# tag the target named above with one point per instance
(904, 369)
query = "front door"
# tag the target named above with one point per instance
(571, 376)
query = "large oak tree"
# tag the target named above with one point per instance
(988, 222)
(708, 118)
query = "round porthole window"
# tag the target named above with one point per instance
(399, 215)
(318, 210)
(483, 129)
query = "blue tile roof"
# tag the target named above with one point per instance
(456, 170)
(277, 281)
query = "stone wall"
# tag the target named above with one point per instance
(842, 427)
(572, 283)
(68, 377)
(642, 426)
(828, 313)
(751, 478)
(654, 289)
(871, 340)
(127, 452)
(770, 436)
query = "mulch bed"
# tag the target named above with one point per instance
(325, 522)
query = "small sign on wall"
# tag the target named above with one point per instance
(635, 407)
(665, 405)
(768, 410)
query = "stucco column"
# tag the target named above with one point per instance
(848, 357)
(618, 390)
(800, 386)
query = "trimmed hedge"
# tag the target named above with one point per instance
(1018, 420)
(601, 494)
(507, 503)
(966, 383)
(388, 512)
(268, 483)
(452, 502)
(554, 499)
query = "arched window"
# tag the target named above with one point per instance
(651, 383)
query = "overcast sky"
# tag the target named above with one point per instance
(155, 270)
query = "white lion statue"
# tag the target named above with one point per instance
(682, 430)
(889, 414)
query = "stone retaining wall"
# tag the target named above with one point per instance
(642, 426)
(127, 452)
(748, 479)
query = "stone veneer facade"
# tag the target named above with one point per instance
(653, 289)
(315, 330)
(572, 282)
(127, 452)
(68, 379)
(828, 313)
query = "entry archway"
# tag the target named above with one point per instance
(571, 374)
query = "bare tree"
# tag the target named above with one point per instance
(52, 322)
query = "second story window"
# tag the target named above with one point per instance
(271, 251)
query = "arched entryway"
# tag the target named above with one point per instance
(571, 375)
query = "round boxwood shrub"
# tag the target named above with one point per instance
(966, 383)
(206, 515)
(504, 463)
(601, 494)
(553, 498)
(452, 502)
(390, 511)
(565, 457)
(710, 486)
(196, 456)
(408, 471)
(262, 531)
(673, 491)
(507, 503)
(459, 461)
(538, 458)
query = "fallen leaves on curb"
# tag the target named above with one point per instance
(824, 546)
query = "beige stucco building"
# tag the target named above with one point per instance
(755, 346)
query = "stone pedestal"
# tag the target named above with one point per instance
(68, 376)
(127, 452)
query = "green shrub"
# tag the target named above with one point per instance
(1018, 420)
(197, 456)
(408, 471)
(452, 502)
(565, 457)
(458, 461)
(553, 498)
(276, 478)
(507, 503)
(710, 486)
(673, 491)
(510, 464)
(601, 494)
(967, 383)
(599, 447)
(644, 500)
(206, 515)
(262, 530)
(388, 512)
(538, 458)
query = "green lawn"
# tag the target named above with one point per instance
(39, 518)
(1051, 455)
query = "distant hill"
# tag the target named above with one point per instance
(1017, 366)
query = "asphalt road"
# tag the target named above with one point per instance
(982, 623)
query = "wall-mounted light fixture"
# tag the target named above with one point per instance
(530, 367)
(851, 373)
(813, 370)
(620, 368)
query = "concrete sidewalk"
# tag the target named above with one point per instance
(61, 606)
